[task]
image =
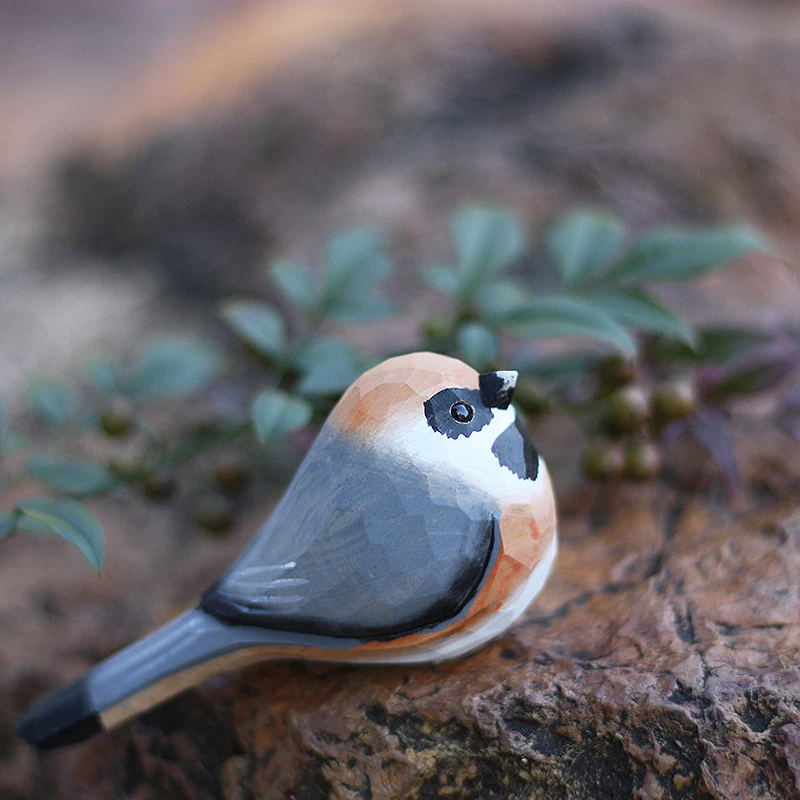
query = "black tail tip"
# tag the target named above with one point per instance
(66, 717)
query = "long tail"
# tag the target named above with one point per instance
(191, 648)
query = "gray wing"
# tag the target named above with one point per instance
(358, 547)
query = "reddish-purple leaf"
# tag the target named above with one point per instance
(791, 399)
(674, 431)
(711, 429)
(791, 424)
(757, 371)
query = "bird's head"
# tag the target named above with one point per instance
(441, 415)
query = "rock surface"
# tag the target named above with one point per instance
(661, 661)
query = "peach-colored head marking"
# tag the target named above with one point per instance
(395, 391)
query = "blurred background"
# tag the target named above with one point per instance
(154, 154)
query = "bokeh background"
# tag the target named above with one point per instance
(154, 154)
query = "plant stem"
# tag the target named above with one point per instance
(189, 450)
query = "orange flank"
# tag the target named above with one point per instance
(523, 545)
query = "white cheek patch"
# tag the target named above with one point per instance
(466, 460)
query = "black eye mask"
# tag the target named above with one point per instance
(445, 408)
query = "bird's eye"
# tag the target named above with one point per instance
(462, 412)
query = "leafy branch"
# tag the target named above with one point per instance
(191, 418)
(303, 370)
(630, 402)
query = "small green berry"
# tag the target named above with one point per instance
(614, 372)
(674, 400)
(232, 473)
(602, 460)
(214, 512)
(117, 419)
(642, 461)
(626, 409)
(159, 485)
(438, 328)
(126, 468)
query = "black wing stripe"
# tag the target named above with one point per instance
(363, 551)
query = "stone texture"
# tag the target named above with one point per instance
(662, 661)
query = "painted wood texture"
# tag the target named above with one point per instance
(420, 525)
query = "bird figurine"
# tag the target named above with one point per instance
(419, 526)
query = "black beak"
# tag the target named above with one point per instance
(497, 388)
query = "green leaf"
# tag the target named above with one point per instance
(443, 279)
(10, 441)
(757, 371)
(103, 374)
(71, 477)
(354, 266)
(69, 520)
(720, 344)
(8, 524)
(276, 414)
(584, 244)
(635, 309)
(544, 317)
(54, 402)
(329, 367)
(26, 522)
(672, 254)
(556, 368)
(174, 367)
(714, 345)
(500, 300)
(486, 241)
(478, 345)
(295, 282)
(356, 252)
(258, 324)
(367, 308)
